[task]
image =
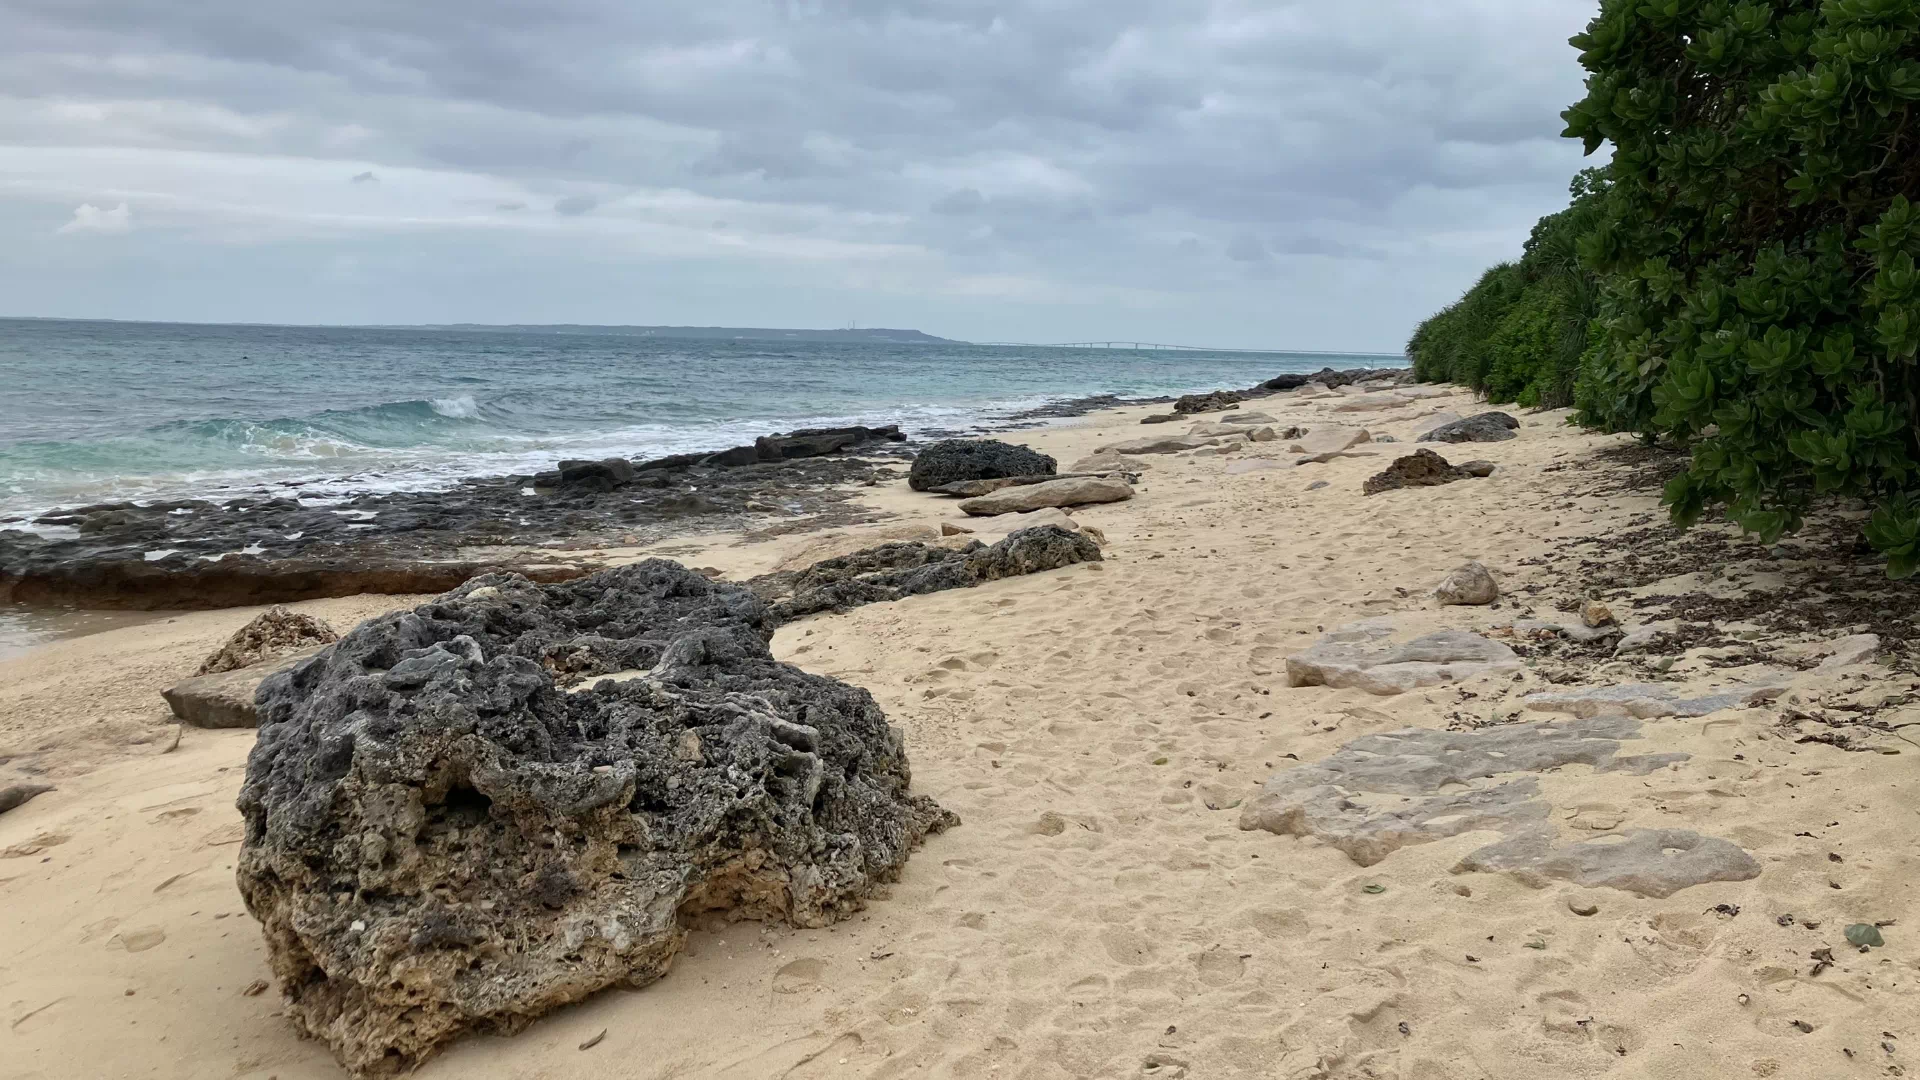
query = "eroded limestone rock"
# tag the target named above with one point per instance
(1422, 468)
(1651, 699)
(440, 840)
(1480, 427)
(1347, 658)
(1471, 584)
(1074, 491)
(894, 571)
(275, 632)
(953, 460)
(1380, 793)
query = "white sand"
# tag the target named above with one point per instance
(1099, 913)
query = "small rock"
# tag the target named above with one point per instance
(1596, 614)
(1848, 651)
(948, 528)
(254, 988)
(1471, 584)
(14, 795)
(1583, 908)
(1316, 485)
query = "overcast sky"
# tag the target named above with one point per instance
(1260, 173)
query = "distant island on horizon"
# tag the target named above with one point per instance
(703, 333)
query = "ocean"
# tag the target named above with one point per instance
(104, 411)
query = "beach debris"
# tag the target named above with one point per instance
(13, 796)
(1073, 491)
(1422, 468)
(1471, 584)
(1652, 699)
(225, 699)
(897, 570)
(1346, 658)
(512, 848)
(1480, 427)
(594, 1040)
(1865, 935)
(1217, 401)
(1382, 792)
(275, 632)
(953, 460)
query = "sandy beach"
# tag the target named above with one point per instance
(1100, 729)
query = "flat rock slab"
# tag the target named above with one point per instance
(1253, 465)
(1330, 440)
(225, 699)
(1848, 651)
(971, 489)
(1652, 699)
(1380, 793)
(1345, 659)
(1168, 444)
(1430, 784)
(1079, 491)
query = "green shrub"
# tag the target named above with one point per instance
(1759, 298)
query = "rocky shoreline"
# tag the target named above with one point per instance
(198, 554)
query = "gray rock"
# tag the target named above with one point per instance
(1478, 468)
(275, 632)
(225, 699)
(1218, 401)
(13, 796)
(1316, 485)
(1441, 782)
(1471, 584)
(1075, 491)
(1651, 699)
(1849, 651)
(1168, 444)
(471, 851)
(1161, 418)
(975, 459)
(1343, 659)
(1642, 639)
(1481, 427)
(1646, 862)
(898, 570)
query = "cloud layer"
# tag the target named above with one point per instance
(1235, 172)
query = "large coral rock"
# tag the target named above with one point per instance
(1217, 401)
(1422, 468)
(440, 839)
(274, 633)
(975, 459)
(895, 571)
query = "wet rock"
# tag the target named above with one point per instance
(273, 633)
(1073, 491)
(975, 459)
(895, 571)
(13, 796)
(1349, 657)
(1217, 401)
(1651, 699)
(817, 442)
(1471, 584)
(1480, 427)
(1422, 468)
(225, 699)
(439, 840)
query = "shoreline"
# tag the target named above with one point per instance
(1101, 730)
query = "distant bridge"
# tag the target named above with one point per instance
(1143, 345)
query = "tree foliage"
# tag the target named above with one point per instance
(1758, 294)
(1519, 333)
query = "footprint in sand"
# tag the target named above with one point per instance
(35, 846)
(140, 940)
(798, 975)
(1220, 966)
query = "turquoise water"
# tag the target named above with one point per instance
(92, 411)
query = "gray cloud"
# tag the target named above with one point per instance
(985, 168)
(364, 178)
